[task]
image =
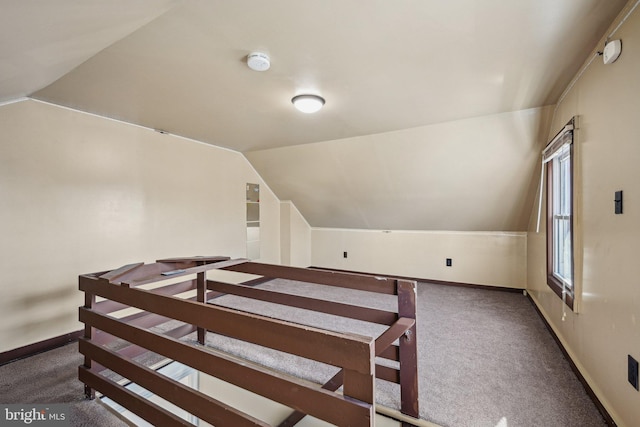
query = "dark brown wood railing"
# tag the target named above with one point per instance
(355, 356)
(402, 323)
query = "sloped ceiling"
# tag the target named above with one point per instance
(384, 68)
(474, 175)
(42, 40)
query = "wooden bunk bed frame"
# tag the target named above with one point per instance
(144, 287)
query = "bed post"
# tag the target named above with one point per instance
(200, 281)
(361, 386)
(407, 293)
(89, 301)
(201, 286)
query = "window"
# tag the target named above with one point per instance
(558, 160)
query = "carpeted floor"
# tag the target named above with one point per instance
(52, 377)
(486, 359)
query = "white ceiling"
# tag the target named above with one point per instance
(383, 66)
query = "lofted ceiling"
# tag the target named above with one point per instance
(384, 68)
(41, 40)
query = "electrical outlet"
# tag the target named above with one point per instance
(344, 254)
(449, 262)
(633, 371)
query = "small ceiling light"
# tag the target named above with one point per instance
(308, 103)
(258, 61)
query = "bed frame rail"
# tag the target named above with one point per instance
(402, 322)
(149, 295)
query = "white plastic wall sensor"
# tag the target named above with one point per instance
(258, 61)
(611, 51)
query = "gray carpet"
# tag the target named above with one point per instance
(486, 359)
(52, 377)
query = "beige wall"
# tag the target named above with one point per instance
(82, 193)
(484, 258)
(606, 99)
(295, 236)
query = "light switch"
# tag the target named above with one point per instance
(618, 202)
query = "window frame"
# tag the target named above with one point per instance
(566, 293)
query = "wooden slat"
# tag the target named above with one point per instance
(180, 331)
(96, 274)
(329, 278)
(388, 374)
(230, 263)
(201, 286)
(140, 273)
(108, 306)
(142, 319)
(194, 402)
(114, 274)
(407, 295)
(195, 260)
(393, 333)
(89, 332)
(256, 281)
(136, 404)
(329, 307)
(175, 288)
(391, 353)
(350, 352)
(359, 385)
(155, 274)
(133, 350)
(332, 385)
(287, 390)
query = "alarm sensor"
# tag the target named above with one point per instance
(258, 61)
(611, 51)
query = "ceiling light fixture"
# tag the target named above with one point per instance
(308, 103)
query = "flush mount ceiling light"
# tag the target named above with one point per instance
(308, 103)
